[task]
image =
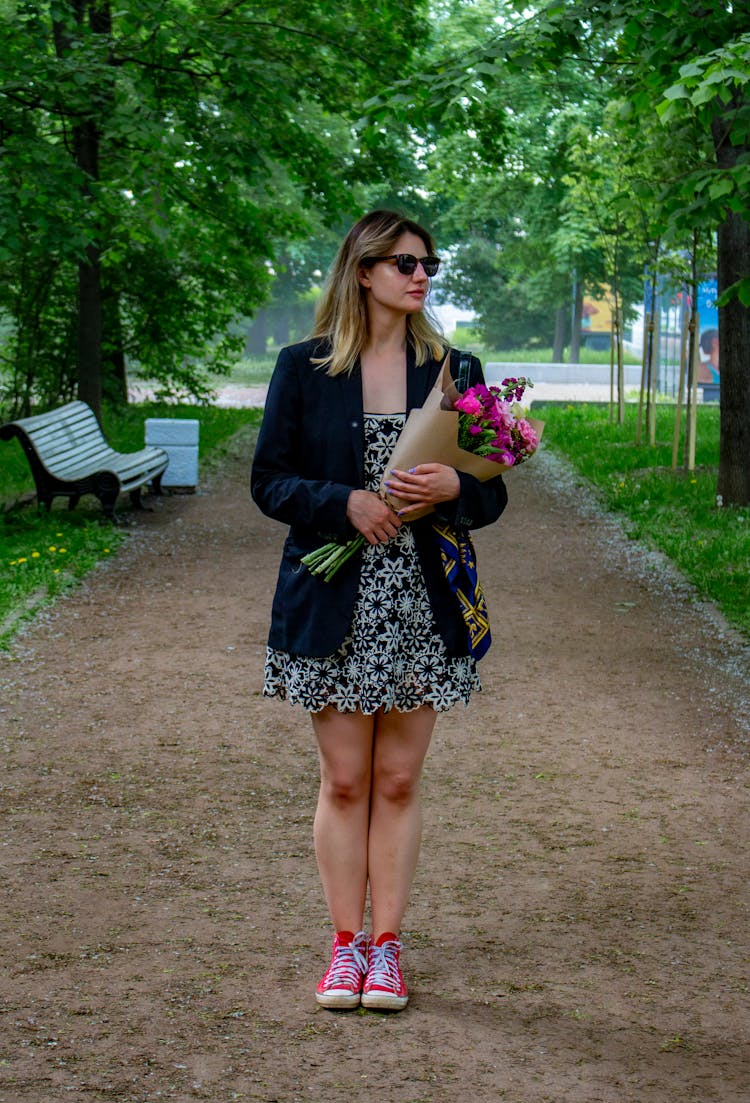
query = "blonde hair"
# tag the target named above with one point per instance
(341, 315)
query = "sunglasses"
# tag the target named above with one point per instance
(407, 263)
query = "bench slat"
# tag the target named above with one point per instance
(58, 461)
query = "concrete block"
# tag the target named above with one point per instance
(172, 430)
(179, 439)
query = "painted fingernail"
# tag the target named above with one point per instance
(412, 470)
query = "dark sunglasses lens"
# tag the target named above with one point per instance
(406, 263)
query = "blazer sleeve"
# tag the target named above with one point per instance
(287, 479)
(478, 503)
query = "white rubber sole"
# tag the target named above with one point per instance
(384, 1001)
(338, 998)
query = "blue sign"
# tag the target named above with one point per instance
(708, 315)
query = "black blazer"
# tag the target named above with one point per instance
(309, 457)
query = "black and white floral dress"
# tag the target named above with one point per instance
(394, 656)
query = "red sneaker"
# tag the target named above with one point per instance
(342, 983)
(384, 984)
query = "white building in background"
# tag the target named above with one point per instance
(449, 316)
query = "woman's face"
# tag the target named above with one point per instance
(388, 289)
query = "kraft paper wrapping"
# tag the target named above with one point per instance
(430, 435)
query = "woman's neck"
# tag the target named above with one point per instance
(383, 364)
(386, 328)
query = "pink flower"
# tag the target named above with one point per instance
(469, 404)
(528, 436)
(504, 457)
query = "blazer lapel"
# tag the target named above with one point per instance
(350, 389)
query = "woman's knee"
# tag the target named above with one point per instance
(345, 752)
(345, 788)
(397, 786)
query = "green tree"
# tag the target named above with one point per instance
(713, 94)
(638, 53)
(503, 140)
(153, 155)
(522, 245)
(653, 51)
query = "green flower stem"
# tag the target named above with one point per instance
(330, 557)
(345, 554)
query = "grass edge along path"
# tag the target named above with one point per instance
(44, 554)
(674, 512)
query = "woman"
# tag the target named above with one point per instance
(378, 651)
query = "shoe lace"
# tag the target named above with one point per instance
(349, 962)
(382, 969)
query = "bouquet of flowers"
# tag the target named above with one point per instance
(491, 424)
(483, 432)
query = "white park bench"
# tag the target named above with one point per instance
(69, 457)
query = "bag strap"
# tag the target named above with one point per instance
(460, 368)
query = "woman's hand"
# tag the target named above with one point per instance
(371, 516)
(425, 485)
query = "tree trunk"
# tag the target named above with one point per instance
(86, 140)
(280, 325)
(90, 331)
(734, 344)
(114, 372)
(257, 334)
(575, 336)
(558, 347)
(86, 151)
(733, 251)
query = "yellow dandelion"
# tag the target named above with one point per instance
(35, 555)
(22, 559)
(56, 570)
(52, 548)
(106, 551)
(61, 551)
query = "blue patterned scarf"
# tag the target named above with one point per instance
(460, 566)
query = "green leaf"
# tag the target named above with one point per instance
(677, 92)
(692, 69)
(721, 187)
(740, 289)
(702, 95)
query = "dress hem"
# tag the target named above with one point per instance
(282, 694)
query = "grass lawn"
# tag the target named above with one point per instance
(673, 511)
(43, 554)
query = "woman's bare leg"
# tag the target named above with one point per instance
(400, 746)
(342, 816)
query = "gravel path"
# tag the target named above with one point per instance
(578, 930)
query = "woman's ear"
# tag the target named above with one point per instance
(364, 277)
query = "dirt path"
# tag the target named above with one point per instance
(578, 931)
